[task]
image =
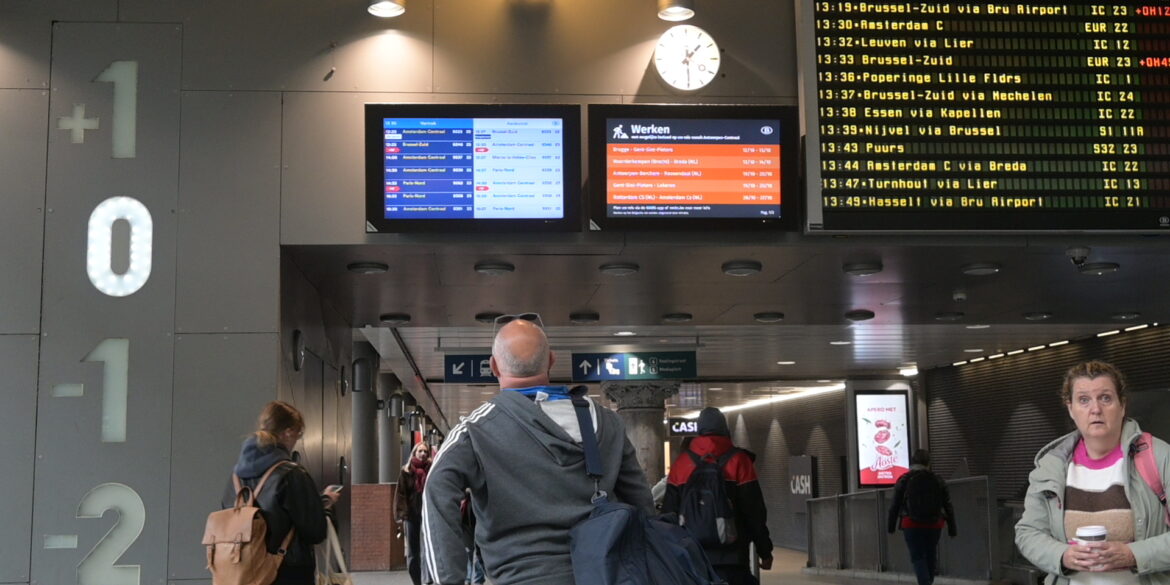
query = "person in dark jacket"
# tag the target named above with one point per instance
(289, 499)
(408, 505)
(732, 561)
(922, 535)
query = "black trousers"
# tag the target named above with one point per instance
(413, 550)
(736, 574)
(923, 546)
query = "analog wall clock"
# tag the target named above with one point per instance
(686, 57)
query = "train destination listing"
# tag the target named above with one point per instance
(1018, 115)
(709, 168)
(473, 168)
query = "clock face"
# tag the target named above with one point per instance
(686, 57)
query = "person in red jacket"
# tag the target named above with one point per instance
(731, 561)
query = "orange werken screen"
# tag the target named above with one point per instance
(697, 174)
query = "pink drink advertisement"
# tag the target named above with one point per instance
(883, 438)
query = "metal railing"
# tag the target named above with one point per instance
(848, 531)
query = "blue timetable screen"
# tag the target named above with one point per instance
(473, 168)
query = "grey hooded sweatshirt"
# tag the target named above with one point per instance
(528, 489)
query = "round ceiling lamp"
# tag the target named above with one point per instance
(1098, 268)
(676, 10)
(387, 8)
(1125, 315)
(981, 268)
(859, 315)
(487, 317)
(949, 316)
(394, 319)
(492, 268)
(1038, 315)
(862, 268)
(584, 317)
(618, 268)
(677, 318)
(367, 267)
(768, 317)
(742, 267)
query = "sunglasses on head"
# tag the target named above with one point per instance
(505, 319)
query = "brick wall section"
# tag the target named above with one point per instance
(375, 546)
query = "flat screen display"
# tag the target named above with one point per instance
(1021, 116)
(693, 167)
(463, 167)
(883, 438)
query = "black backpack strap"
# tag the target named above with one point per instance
(588, 438)
(724, 458)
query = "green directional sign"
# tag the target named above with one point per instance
(643, 365)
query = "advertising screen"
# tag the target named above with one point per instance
(883, 438)
(692, 167)
(472, 167)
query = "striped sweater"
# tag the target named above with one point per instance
(1095, 495)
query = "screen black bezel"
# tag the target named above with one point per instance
(790, 194)
(570, 115)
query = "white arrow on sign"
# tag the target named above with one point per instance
(584, 365)
(457, 369)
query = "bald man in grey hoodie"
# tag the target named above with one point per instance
(520, 454)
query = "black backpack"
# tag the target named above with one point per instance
(923, 497)
(705, 508)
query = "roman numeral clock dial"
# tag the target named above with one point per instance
(686, 57)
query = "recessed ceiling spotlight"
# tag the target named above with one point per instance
(859, 315)
(367, 267)
(618, 268)
(1125, 316)
(742, 267)
(949, 316)
(908, 371)
(625, 334)
(394, 319)
(786, 363)
(1037, 315)
(676, 10)
(387, 8)
(769, 317)
(1098, 268)
(677, 317)
(981, 268)
(862, 268)
(487, 317)
(842, 342)
(583, 317)
(494, 268)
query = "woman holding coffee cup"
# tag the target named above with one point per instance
(1089, 517)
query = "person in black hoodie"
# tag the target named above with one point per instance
(289, 499)
(731, 561)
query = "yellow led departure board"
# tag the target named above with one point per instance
(986, 116)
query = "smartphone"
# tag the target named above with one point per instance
(336, 489)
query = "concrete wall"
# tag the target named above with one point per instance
(236, 127)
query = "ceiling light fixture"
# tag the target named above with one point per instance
(487, 317)
(768, 317)
(619, 268)
(909, 371)
(859, 315)
(949, 316)
(1108, 333)
(1037, 315)
(973, 350)
(1058, 343)
(677, 317)
(676, 10)
(493, 268)
(841, 343)
(387, 8)
(625, 334)
(394, 319)
(1125, 316)
(786, 363)
(980, 269)
(862, 268)
(1037, 347)
(1015, 352)
(1098, 268)
(1137, 327)
(742, 267)
(584, 317)
(367, 267)
(979, 326)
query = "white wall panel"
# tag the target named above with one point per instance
(271, 44)
(18, 394)
(229, 201)
(23, 116)
(26, 33)
(221, 384)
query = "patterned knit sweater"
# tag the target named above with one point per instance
(1095, 495)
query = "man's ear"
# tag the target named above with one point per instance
(495, 368)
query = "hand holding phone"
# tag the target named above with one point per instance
(334, 488)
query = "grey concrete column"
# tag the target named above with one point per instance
(642, 406)
(365, 414)
(389, 431)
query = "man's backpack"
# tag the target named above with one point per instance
(237, 553)
(923, 497)
(705, 508)
(618, 544)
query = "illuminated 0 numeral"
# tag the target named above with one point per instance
(99, 263)
(98, 568)
(124, 76)
(115, 357)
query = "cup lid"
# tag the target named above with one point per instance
(1091, 531)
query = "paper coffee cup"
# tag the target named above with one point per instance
(1087, 534)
